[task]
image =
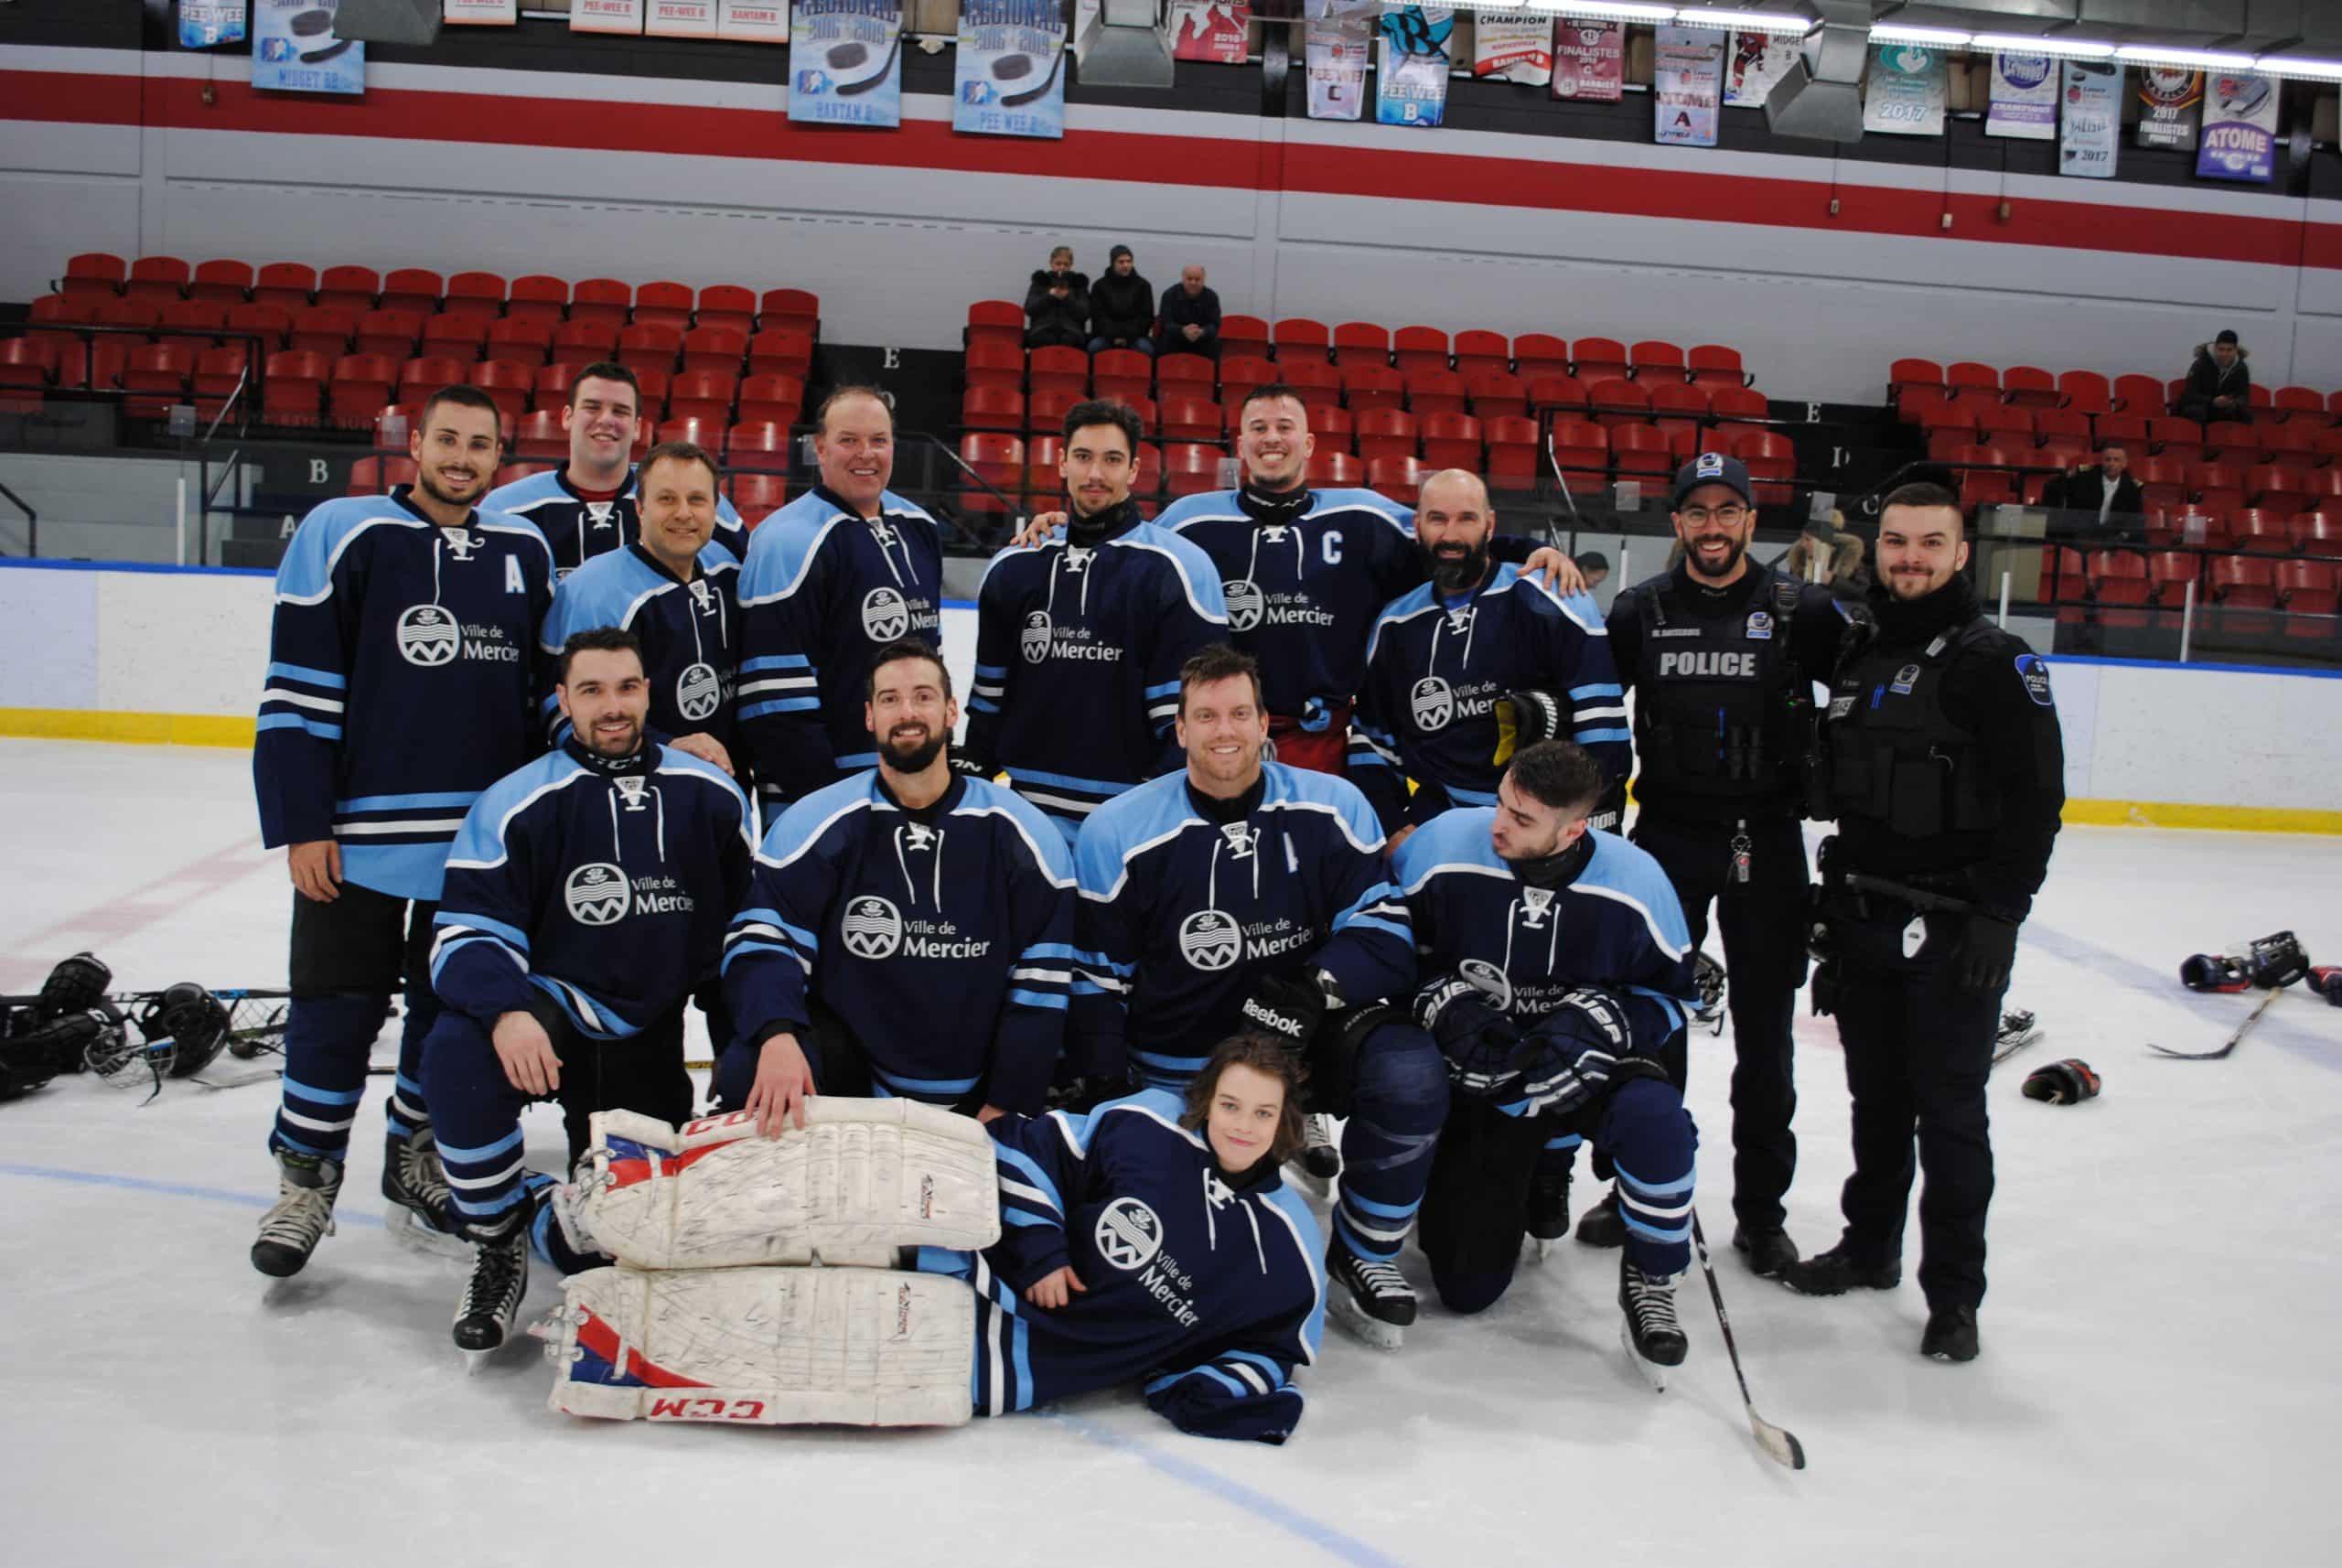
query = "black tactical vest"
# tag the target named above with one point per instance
(1893, 753)
(1721, 711)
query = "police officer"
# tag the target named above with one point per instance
(1942, 763)
(1721, 654)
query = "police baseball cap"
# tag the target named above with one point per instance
(1713, 468)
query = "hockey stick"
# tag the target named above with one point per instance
(2250, 1019)
(1779, 1444)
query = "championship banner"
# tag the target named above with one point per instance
(1590, 61)
(1335, 50)
(1010, 79)
(294, 50)
(1907, 91)
(1757, 60)
(605, 15)
(681, 19)
(845, 62)
(2240, 129)
(2170, 101)
(2025, 98)
(753, 21)
(1686, 85)
(483, 13)
(1513, 49)
(2091, 133)
(1210, 30)
(1411, 73)
(203, 23)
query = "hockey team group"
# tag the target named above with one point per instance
(1285, 808)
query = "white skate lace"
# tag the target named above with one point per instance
(494, 1287)
(1381, 1279)
(1653, 1300)
(299, 1216)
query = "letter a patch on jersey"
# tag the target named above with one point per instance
(514, 583)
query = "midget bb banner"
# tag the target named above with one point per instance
(294, 48)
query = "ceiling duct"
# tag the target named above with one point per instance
(1821, 97)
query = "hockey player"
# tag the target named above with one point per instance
(1304, 572)
(1557, 968)
(586, 901)
(401, 681)
(910, 930)
(1080, 640)
(590, 506)
(836, 574)
(676, 590)
(1476, 662)
(1238, 894)
(1722, 655)
(1153, 1240)
(1944, 767)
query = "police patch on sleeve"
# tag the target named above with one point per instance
(2034, 671)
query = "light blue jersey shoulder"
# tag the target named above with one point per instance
(1401, 517)
(784, 545)
(1137, 817)
(1197, 576)
(1307, 790)
(527, 491)
(982, 797)
(1579, 606)
(698, 769)
(1627, 873)
(813, 816)
(1452, 840)
(480, 843)
(305, 574)
(611, 588)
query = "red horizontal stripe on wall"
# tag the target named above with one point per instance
(1425, 175)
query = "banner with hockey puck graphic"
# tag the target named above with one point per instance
(1010, 79)
(294, 48)
(845, 63)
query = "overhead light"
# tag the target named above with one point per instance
(2195, 59)
(2033, 44)
(1745, 21)
(1613, 10)
(1937, 38)
(2289, 65)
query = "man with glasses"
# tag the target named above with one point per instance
(1722, 655)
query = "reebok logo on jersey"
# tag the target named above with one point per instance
(1728, 666)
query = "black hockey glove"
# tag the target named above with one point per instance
(1987, 952)
(2213, 972)
(1526, 717)
(1287, 1008)
(75, 985)
(2327, 980)
(1477, 1041)
(1577, 1050)
(2067, 1083)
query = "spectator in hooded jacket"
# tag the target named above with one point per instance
(1057, 306)
(1121, 306)
(2218, 386)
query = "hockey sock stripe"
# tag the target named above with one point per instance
(296, 1087)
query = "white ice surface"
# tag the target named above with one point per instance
(2159, 1384)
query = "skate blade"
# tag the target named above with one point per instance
(1539, 1249)
(1301, 1175)
(1653, 1373)
(476, 1362)
(1364, 1325)
(411, 1231)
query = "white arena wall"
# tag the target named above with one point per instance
(705, 182)
(175, 655)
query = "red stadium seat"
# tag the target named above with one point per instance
(650, 346)
(476, 293)
(550, 386)
(507, 382)
(155, 377)
(785, 353)
(1513, 452)
(537, 297)
(793, 310)
(355, 289)
(1385, 432)
(663, 304)
(1335, 470)
(1334, 429)
(1372, 384)
(582, 341)
(2317, 533)
(703, 395)
(1442, 391)
(1183, 375)
(1640, 450)
(1239, 373)
(192, 324)
(778, 399)
(716, 348)
(1123, 374)
(1565, 394)
(2120, 585)
(1190, 468)
(2244, 590)
(1538, 354)
(1451, 440)
(221, 283)
(2064, 436)
(1677, 405)
(1582, 451)
(1619, 403)
(2170, 574)
(1497, 394)
(2301, 405)
(323, 330)
(2257, 531)
(730, 306)
(2230, 441)
(1361, 343)
(415, 290)
(362, 384)
(1654, 360)
(992, 408)
(291, 385)
(1190, 419)
(1598, 359)
(1317, 379)
(993, 368)
(284, 285)
(95, 274)
(2085, 391)
(1713, 366)
(425, 375)
(160, 279)
(757, 496)
(1418, 349)
(2309, 589)
(1476, 349)
(523, 339)
(2141, 395)
(1244, 335)
(218, 372)
(455, 336)
(1045, 411)
(1297, 338)
(1769, 457)
(2180, 440)
(1058, 370)
(603, 302)
(540, 438)
(1400, 477)
(2027, 387)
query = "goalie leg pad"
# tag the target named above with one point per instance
(765, 1347)
(861, 1179)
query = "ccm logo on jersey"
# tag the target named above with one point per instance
(1729, 665)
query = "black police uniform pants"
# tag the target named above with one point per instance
(1919, 1049)
(1763, 923)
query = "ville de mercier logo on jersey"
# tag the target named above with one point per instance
(1433, 702)
(1489, 980)
(699, 692)
(873, 928)
(428, 635)
(1245, 603)
(1128, 1234)
(884, 615)
(1209, 939)
(1035, 639)
(596, 894)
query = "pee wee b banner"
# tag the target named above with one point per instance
(1513, 49)
(1411, 75)
(845, 63)
(294, 50)
(2091, 134)
(1336, 51)
(1686, 85)
(605, 15)
(203, 23)
(1010, 79)
(2025, 98)
(1589, 62)
(2240, 129)
(681, 19)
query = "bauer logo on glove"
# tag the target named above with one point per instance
(2067, 1082)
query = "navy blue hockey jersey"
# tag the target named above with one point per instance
(823, 590)
(402, 682)
(1181, 915)
(578, 529)
(690, 632)
(1212, 1294)
(1077, 656)
(606, 886)
(1436, 666)
(1303, 594)
(942, 937)
(1618, 924)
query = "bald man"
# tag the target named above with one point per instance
(1481, 661)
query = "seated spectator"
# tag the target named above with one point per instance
(1827, 555)
(1595, 566)
(2218, 386)
(1849, 578)
(1121, 306)
(1057, 306)
(1190, 315)
(2107, 490)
